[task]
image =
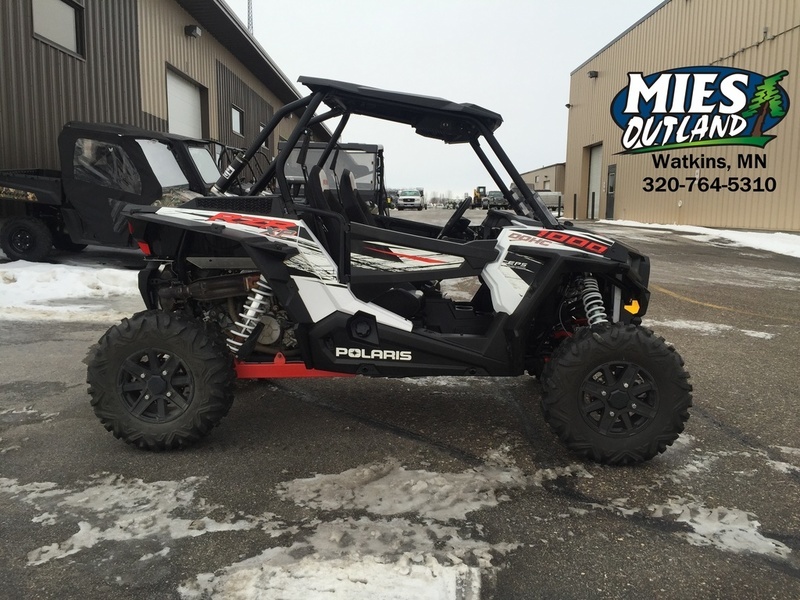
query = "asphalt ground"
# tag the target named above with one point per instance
(83, 515)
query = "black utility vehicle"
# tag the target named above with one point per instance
(265, 287)
(69, 208)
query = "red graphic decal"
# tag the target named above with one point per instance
(272, 227)
(573, 240)
(561, 237)
(425, 259)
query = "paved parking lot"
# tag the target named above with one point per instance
(430, 488)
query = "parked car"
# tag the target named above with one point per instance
(494, 199)
(412, 199)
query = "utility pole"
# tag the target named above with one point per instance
(250, 16)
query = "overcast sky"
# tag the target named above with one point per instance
(510, 56)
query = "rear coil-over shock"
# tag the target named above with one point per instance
(257, 303)
(593, 302)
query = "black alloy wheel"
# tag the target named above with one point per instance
(155, 386)
(618, 399)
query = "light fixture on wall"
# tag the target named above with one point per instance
(592, 74)
(568, 105)
(193, 31)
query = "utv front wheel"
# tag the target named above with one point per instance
(160, 381)
(616, 394)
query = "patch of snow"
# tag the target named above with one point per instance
(762, 335)
(367, 558)
(777, 242)
(59, 292)
(161, 554)
(355, 559)
(783, 467)
(390, 489)
(788, 450)
(26, 414)
(449, 381)
(701, 463)
(705, 328)
(111, 508)
(573, 470)
(728, 529)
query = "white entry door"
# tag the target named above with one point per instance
(184, 107)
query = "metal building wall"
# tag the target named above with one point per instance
(554, 174)
(43, 86)
(161, 32)
(257, 112)
(688, 33)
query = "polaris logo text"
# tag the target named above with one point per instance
(698, 107)
(374, 354)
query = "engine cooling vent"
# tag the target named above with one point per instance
(258, 205)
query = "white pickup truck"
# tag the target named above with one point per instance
(411, 199)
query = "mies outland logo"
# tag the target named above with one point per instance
(698, 106)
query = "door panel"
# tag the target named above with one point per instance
(610, 186)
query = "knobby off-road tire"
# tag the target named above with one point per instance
(616, 394)
(159, 380)
(26, 238)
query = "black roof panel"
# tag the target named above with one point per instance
(112, 129)
(452, 122)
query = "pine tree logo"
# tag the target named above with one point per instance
(766, 101)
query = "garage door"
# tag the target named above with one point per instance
(184, 106)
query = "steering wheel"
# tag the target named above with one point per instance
(454, 218)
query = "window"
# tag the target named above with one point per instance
(162, 161)
(204, 163)
(237, 120)
(59, 22)
(106, 165)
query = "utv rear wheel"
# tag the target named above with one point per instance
(160, 381)
(616, 394)
(26, 238)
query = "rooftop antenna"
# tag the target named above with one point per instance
(250, 16)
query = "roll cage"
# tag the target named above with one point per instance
(451, 122)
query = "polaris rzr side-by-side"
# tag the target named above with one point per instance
(266, 286)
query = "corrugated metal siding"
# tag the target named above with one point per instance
(683, 33)
(257, 111)
(44, 87)
(161, 32)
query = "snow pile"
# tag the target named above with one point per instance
(60, 292)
